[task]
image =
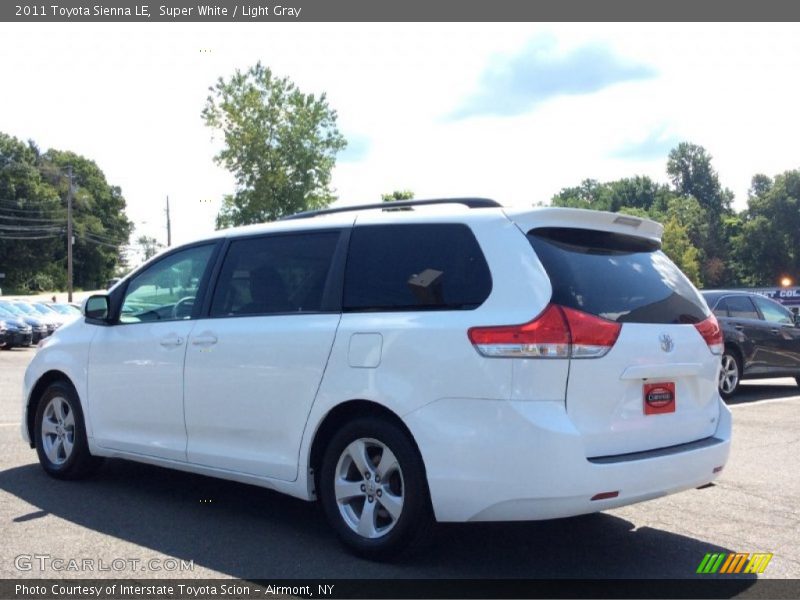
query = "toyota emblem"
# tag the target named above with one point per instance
(666, 342)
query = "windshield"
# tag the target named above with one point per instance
(4, 312)
(10, 308)
(25, 308)
(65, 309)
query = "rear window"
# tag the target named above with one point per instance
(415, 267)
(617, 277)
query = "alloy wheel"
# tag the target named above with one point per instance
(369, 488)
(729, 374)
(58, 430)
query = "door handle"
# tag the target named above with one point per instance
(171, 341)
(206, 339)
(738, 327)
(775, 331)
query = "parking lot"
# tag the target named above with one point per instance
(138, 513)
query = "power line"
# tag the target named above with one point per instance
(32, 211)
(28, 202)
(16, 218)
(40, 237)
(33, 228)
(105, 238)
(90, 237)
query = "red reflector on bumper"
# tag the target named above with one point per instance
(605, 495)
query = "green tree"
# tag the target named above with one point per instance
(279, 143)
(589, 194)
(149, 246)
(769, 244)
(33, 192)
(638, 192)
(100, 225)
(398, 195)
(691, 172)
(676, 244)
(32, 218)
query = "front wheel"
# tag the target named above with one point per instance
(373, 489)
(730, 374)
(60, 434)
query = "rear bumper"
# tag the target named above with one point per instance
(508, 461)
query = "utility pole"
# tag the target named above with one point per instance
(69, 236)
(169, 228)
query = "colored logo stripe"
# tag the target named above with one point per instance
(710, 563)
(734, 563)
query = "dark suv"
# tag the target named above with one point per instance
(762, 338)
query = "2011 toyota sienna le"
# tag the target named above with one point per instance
(454, 360)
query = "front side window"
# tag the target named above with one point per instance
(415, 267)
(275, 274)
(772, 311)
(166, 291)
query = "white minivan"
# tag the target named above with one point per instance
(451, 361)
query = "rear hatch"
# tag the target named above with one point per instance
(654, 384)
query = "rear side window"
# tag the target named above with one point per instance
(617, 277)
(274, 274)
(740, 307)
(415, 267)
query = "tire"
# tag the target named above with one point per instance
(730, 374)
(399, 514)
(60, 434)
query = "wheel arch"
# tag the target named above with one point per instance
(336, 417)
(35, 397)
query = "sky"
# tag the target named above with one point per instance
(513, 112)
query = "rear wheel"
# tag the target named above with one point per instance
(730, 374)
(60, 434)
(373, 489)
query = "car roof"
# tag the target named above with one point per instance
(442, 210)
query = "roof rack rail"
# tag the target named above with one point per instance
(468, 202)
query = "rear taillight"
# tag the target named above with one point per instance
(592, 336)
(558, 332)
(712, 334)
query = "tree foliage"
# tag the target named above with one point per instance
(398, 195)
(148, 246)
(279, 143)
(33, 217)
(770, 231)
(711, 243)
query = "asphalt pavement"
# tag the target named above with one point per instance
(146, 522)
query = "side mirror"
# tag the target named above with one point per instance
(97, 309)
